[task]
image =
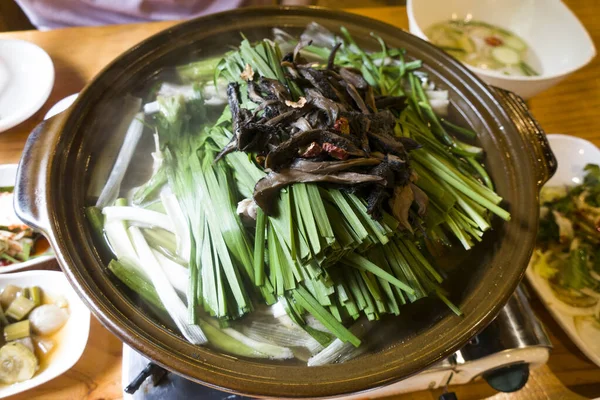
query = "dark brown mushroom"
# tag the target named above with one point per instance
(331, 167)
(383, 121)
(301, 124)
(338, 132)
(283, 118)
(299, 46)
(266, 189)
(253, 93)
(331, 59)
(370, 99)
(280, 157)
(330, 107)
(274, 88)
(386, 143)
(375, 200)
(237, 116)
(254, 136)
(360, 103)
(394, 102)
(400, 204)
(318, 79)
(353, 78)
(421, 199)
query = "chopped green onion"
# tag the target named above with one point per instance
(35, 295)
(458, 129)
(259, 248)
(16, 331)
(3, 320)
(302, 296)
(19, 308)
(96, 219)
(363, 264)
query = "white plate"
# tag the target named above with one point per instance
(8, 175)
(26, 80)
(572, 154)
(73, 336)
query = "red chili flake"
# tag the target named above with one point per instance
(342, 125)
(334, 151)
(494, 41)
(312, 150)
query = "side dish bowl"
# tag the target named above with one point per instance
(8, 176)
(61, 153)
(551, 30)
(572, 154)
(71, 339)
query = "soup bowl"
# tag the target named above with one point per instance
(553, 33)
(60, 155)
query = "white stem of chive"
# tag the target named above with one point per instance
(180, 225)
(166, 292)
(111, 190)
(139, 216)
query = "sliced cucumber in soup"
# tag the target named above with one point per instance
(451, 31)
(527, 70)
(17, 363)
(515, 43)
(506, 55)
(466, 44)
(444, 40)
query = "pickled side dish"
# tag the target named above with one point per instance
(18, 242)
(485, 46)
(567, 254)
(29, 322)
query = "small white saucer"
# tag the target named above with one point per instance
(26, 80)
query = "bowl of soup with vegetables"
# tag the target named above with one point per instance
(524, 47)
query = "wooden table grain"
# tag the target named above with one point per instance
(571, 107)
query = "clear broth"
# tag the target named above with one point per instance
(485, 46)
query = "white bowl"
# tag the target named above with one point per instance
(8, 176)
(551, 30)
(572, 154)
(72, 338)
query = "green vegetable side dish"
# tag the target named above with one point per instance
(485, 46)
(16, 239)
(300, 191)
(28, 326)
(568, 246)
(18, 242)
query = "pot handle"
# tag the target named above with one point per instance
(532, 133)
(31, 190)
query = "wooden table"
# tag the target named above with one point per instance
(79, 53)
